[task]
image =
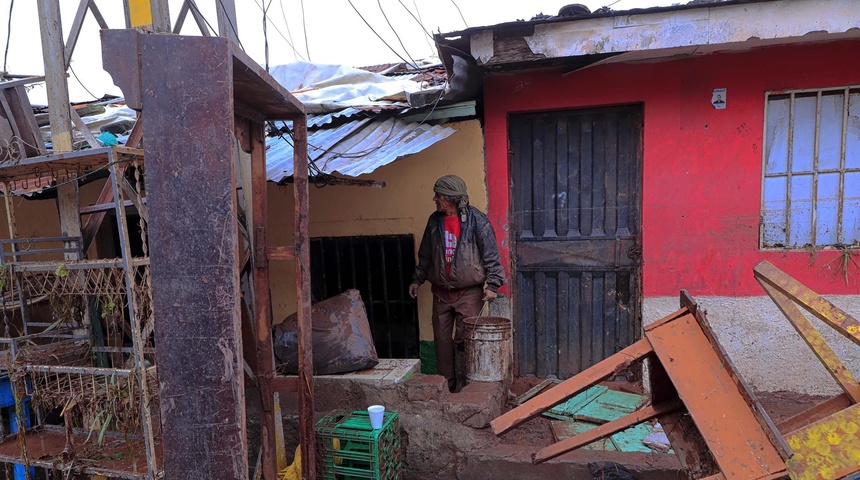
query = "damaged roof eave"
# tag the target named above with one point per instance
(710, 27)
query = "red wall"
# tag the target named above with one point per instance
(702, 167)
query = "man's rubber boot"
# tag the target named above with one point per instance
(459, 370)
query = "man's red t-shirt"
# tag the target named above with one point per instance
(452, 235)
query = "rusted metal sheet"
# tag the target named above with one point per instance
(194, 254)
(740, 447)
(747, 393)
(576, 215)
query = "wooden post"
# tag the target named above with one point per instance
(227, 26)
(262, 299)
(303, 297)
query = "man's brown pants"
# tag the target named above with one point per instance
(448, 317)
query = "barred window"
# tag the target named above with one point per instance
(811, 191)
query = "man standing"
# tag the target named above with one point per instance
(460, 258)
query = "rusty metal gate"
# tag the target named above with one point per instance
(576, 194)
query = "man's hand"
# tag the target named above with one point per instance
(413, 290)
(489, 295)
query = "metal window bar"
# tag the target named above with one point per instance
(842, 170)
(380, 268)
(17, 250)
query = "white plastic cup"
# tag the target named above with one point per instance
(377, 413)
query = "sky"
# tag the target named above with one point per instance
(337, 31)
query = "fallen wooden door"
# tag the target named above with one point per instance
(576, 190)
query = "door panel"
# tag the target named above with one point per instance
(576, 187)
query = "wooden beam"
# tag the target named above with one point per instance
(812, 302)
(605, 430)
(570, 387)
(814, 414)
(82, 127)
(103, 207)
(281, 253)
(262, 300)
(303, 296)
(75, 31)
(346, 182)
(53, 55)
(227, 26)
(815, 341)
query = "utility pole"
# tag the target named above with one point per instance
(148, 15)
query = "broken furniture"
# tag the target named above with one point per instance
(694, 385)
(826, 438)
(77, 330)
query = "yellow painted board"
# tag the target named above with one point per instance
(140, 12)
(828, 449)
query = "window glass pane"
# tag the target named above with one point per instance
(830, 133)
(801, 211)
(804, 133)
(773, 213)
(776, 150)
(851, 211)
(826, 208)
(852, 147)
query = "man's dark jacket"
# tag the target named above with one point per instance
(476, 259)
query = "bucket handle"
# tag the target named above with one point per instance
(470, 330)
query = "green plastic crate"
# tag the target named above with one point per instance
(349, 449)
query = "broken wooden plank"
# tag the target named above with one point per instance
(815, 341)
(604, 430)
(816, 413)
(748, 395)
(812, 302)
(827, 449)
(737, 442)
(570, 387)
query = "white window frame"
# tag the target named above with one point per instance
(846, 91)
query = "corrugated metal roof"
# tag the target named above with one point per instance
(319, 120)
(355, 148)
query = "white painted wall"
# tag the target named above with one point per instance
(769, 354)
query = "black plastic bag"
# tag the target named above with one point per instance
(342, 341)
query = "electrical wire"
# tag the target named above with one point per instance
(71, 69)
(266, 34)
(375, 33)
(305, 30)
(461, 13)
(230, 22)
(194, 6)
(8, 35)
(414, 63)
(289, 33)
(290, 43)
(420, 23)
